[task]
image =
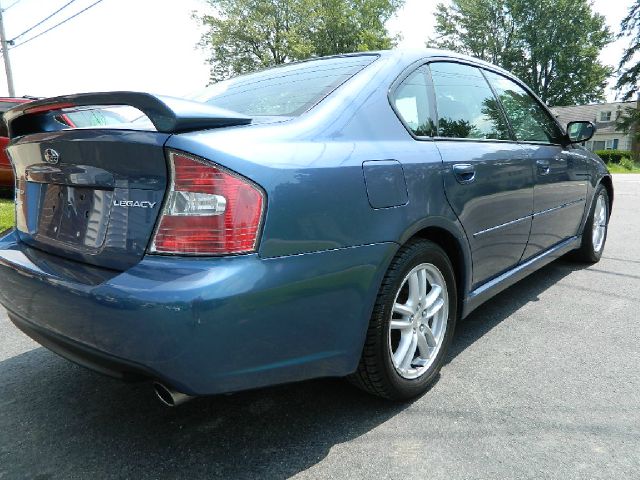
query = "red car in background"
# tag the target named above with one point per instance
(6, 171)
(76, 118)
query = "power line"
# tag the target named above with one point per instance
(57, 24)
(14, 3)
(41, 21)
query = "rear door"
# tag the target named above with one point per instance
(560, 182)
(488, 176)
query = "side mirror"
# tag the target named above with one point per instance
(579, 132)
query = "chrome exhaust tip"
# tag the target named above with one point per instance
(169, 396)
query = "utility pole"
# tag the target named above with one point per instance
(5, 55)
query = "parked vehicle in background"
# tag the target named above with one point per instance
(6, 171)
(77, 118)
(333, 217)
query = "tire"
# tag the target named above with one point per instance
(592, 247)
(379, 371)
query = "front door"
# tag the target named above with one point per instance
(560, 181)
(488, 176)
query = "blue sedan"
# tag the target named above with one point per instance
(333, 217)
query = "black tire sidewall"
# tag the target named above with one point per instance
(588, 250)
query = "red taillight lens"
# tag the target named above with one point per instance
(208, 211)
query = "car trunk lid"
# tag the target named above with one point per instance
(94, 195)
(100, 200)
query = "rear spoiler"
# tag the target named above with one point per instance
(168, 114)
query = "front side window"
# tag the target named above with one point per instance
(530, 121)
(411, 101)
(466, 105)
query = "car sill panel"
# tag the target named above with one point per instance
(491, 288)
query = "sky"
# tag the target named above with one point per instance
(150, 45)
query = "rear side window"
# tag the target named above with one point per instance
(529, 120)
(411, 101)
(288, 90)
(466, 105)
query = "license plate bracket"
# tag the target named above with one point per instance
(76, 216)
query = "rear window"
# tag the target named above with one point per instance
(287, 90)
(94, 117)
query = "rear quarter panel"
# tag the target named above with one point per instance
(312, 171)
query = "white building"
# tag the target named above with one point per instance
(603, 116)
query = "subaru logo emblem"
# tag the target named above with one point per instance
(51, 156)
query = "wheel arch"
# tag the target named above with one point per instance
(452, 239)
(607, 182)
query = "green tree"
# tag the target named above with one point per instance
(553, 45)
(627, 120)
(630, 64)
(247, 35)
(629, 68)
(484, 29)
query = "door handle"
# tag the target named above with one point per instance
(543, 167)
(464, 173)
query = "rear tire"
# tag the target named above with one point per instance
(595, 231)
(416, 308)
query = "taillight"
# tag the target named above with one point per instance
(208, 211)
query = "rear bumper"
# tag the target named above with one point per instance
(203, 326)
(80, 354)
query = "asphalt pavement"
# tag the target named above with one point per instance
(542, 382)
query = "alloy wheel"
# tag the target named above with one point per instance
(418, 321)
(599, 223)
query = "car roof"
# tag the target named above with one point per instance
(408, 56)
(411, 55)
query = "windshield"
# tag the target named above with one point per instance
(288, 90)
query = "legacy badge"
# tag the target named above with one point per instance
(136, 203)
